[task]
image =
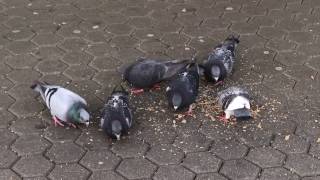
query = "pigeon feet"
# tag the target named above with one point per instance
(56, 122)
(136, 91)
(223, 119)
(189, 112)
(156, 87)
(219, 83)
(72, 125)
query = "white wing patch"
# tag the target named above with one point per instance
(238, 103)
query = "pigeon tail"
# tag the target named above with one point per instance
(233, 39)
(175, 67)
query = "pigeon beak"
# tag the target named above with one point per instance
(87, 123)
(175, 107)
(216, 78)
(118, 137)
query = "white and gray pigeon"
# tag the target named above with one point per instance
(235, 101)
(66, 107)
(117, 116)
(146, 73)
(220, 61)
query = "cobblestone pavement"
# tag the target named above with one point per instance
(79, 43)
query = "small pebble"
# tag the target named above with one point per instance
(150, 35)
(229, 8)
(35, 13)
(100, 162)
(184, 10)
(278, 68)
(95, 27)
(287, 137)
(266, 52)
(76, 31)
(16, 31)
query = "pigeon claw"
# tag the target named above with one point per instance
(223, 119)
(136, 91)
(156, 87)
(72, 125)
(189, 112)
(56, 122)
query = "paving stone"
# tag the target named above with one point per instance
(23, 61)
(68, 171)
(165, 154)
(119, 29)
(57, 134)
(136, 168)
(7, 158)
(36, 178)
(173, 172)
(123, 41)
(49, 53)
(192, 142)
(94, 140)
(239, 169)
(5, 83)
(74, 44)
(77, 58)
(291, 144)
(30, 144)
(101, 49)
(78, 72)
(229, 149)
(100, 160)
(65, 152)
(313, 63)
(202, 162)
(5, 118)
(28, 125)
(315, 150)
(21, 47)
(129, 148)
(6, 100)
(6, 174)
(266, 157)
(46, 39)
(28, 166)
(105, 63)
(51, 66)
(303, 164)
(6, 137)
(101, 175)
(22, 34)
(23, 76)
(209, 176)
(278, 173)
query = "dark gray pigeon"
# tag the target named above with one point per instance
(117, 115)
(182, 90)
(66, 107)
(146, 73)
(235, 101)
(220, 61)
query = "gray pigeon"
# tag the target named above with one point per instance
(182, 90)
(66, 107)
(117, 115)
(235, 101)
(220, 61)
(146, 73)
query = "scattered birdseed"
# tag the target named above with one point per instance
(278, 68)
(229, 8)
(95, 27)
(76, 31)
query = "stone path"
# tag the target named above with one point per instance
(79, 43)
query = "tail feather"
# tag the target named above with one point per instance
(175, 67)
(233, 38)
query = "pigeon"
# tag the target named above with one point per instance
(66, 107)
(182, 90)
(117, 115)
(220, 61)
(235, 101)
(147, 73)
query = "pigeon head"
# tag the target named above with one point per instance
(215, 72)
(218, 72)
(176, 101)
(116, 128)
(84, 116)
(78, 114)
